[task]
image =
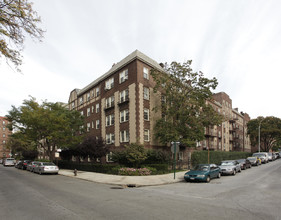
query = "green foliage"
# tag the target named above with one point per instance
(46, 125)
(98, 168)
(201, 157)
(17, 18)
(92, 147)
(184, 104)
(136, 155)
(270, 132)
(133, 155)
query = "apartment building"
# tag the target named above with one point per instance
(4, 135)
(231, 135)
(118, 106)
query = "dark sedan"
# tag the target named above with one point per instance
(244, 163)
(203, 172)
(23, 164)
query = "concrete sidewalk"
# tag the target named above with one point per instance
(131, 181)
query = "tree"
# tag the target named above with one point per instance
(92, 147)
(17, 19)
(48, 125)
(270, 132)
(184, 107)
(133, 155)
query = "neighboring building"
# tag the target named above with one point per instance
(231, 135)
(118, 106)
(4, 135)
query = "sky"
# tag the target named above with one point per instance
(236, 41)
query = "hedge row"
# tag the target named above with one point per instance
(201, 157)
(108, 168)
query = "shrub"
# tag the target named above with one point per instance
(134, 172)
(201, 157)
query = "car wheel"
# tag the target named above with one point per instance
(208, 179)
(219, 175)
(239, 170)
(40, 172)
(234, 172)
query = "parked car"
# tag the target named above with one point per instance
(255, 161)
(23, 164)
(244, 164)
(230, 167)
(17, 164)
(1, 161)
(203, 172)
(262, 155)
(270, 157)
(31, 165)
(9, 162)
(277, 155)
(46, 167)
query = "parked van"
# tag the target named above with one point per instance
(9, 162)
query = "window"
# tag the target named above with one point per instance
(72, 105)
(181, 156)
(97, 124)
(109, 157)
(109, 84)
(109, 120)
(146, 135)
(124, 115)
(93, 109)
(4, 135)
(145, 73)
(4, 128)
(109, 102)
(88, 111)
(124, 95)
(124, 136)
(88, 96)
(110, 138)
(80, 100)
(146, 93)
(93, 124)
(4, 122)
(82, 113)
(97, 108)
(4, 142)
(88, 126)
(146, 114)
(97, 91)
(123, 76)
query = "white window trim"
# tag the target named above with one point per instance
(124, 136)
(148, 134)
(123, 115)
(146, 95)
(146, 110)
(145, 73)
(123, 76)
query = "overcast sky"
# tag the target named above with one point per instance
(236, 41)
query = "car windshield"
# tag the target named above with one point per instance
(48, 164)
(227, 163)
(202, 167)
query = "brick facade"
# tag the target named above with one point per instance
(4, 135)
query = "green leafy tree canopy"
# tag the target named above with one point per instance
(270, 132)
(184, 107)
(48, 125)
(17, 19)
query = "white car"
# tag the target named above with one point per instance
(9, 162)
(230, 167)
(46, 167)
(263, 156)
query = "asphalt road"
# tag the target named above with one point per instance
(252, 194)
